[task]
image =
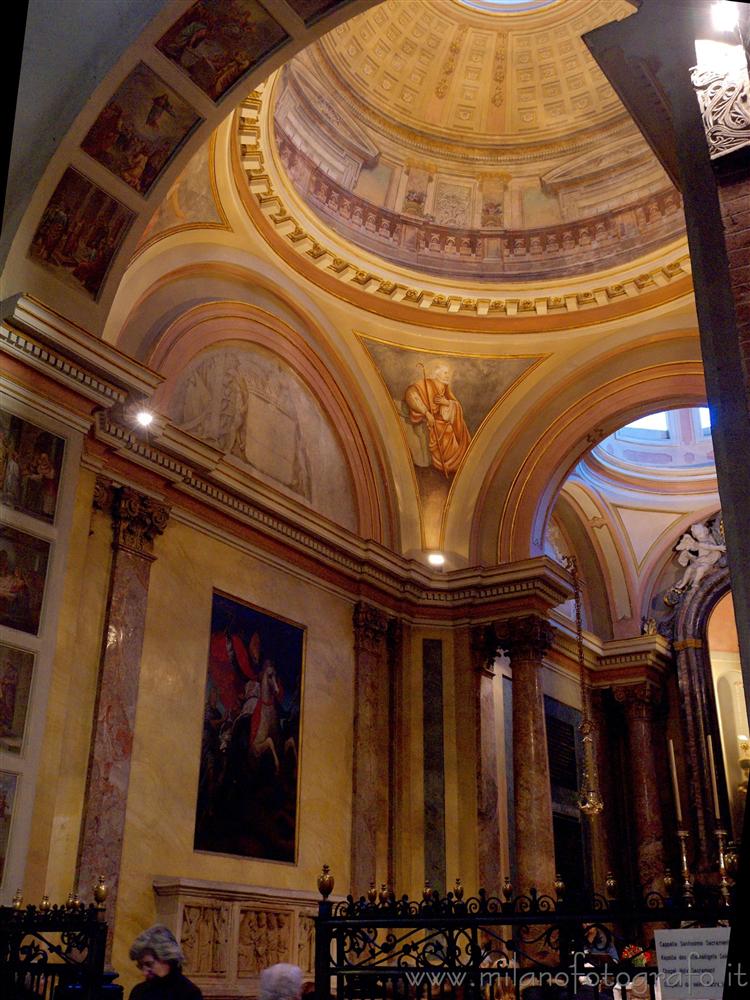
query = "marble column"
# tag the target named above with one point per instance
(370, 777)
(136, 521)
(488, 733)
(526, 640)
(639, 702)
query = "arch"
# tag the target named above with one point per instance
(517, 495)
(295, 32)
(218, 322)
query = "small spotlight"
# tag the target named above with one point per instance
(144, 418)
(724, 16)
(436, 559)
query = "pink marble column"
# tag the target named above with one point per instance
(639, 702)
(526, 640)
(370, 778)
(136, 521)
(488, 733)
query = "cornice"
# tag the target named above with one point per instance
(69, 354)
(282, 225)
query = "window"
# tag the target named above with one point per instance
(704, 415)
(653, 427)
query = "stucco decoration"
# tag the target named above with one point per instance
(441, 402)
(250, 404)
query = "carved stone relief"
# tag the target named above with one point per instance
(205, 939)
(264, 939)
(251, 405)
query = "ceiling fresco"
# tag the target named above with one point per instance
(441, 402)
(476, 147)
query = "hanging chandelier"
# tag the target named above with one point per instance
(589, 800)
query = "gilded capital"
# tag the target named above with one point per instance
(528, 637)
(370, 628)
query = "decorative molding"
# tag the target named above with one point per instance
(275, 221)
(724, 101)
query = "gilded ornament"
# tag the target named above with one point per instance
(325, 882)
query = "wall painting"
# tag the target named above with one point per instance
(30, 465)
(16, 668)
(249, 768)
(143, 124)
(217, 41)
(441, 402)
(8, 785)
(23, 571)
(80, 232)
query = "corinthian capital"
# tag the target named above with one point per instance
(370, 627)
(136, 518)
(639, 700)
(525, 638)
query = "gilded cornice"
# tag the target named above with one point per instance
(583, 303)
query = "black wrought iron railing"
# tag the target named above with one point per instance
(54, 953)
(384, 946)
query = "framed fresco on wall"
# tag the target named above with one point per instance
(23, 573)
(80, 232)
(8, 785)
(30, 463)
(216, 42)
(16, 668)
(142, 126)
(249, 767)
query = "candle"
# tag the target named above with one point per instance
(675, 784)
(712, 770)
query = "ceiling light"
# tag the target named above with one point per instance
(436, 558)
(724, 16)
(144, 417)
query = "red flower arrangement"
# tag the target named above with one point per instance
(638, 956)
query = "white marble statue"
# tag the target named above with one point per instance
(699, 554)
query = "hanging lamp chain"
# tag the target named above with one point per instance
(589, 800)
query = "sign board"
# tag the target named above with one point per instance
(692, 962)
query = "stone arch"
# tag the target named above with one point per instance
(517, 497)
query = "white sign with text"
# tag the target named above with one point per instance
(692, 962)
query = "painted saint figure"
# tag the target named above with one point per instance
(431, 401)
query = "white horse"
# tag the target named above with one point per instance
(267, 737)
(266, 716)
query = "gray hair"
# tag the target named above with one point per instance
(281, 982)
(161, 942)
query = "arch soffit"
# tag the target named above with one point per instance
(521, 484)
(21, 274)
(610, 549)
(210, 324)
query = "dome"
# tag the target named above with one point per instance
(474, 141)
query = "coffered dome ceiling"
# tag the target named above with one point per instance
(476, 141)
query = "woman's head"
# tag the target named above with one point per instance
(156, 952)
(281, 982)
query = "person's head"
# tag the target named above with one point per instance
(156, 952)
(443, 374)
(699, 531)
(281, 982)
